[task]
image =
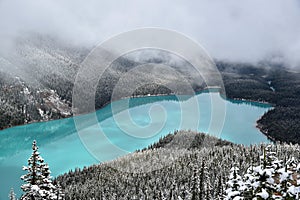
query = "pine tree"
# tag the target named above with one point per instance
(202, 180)
(195, 184)
(272, 179)
(289, 184)
(208, 187)
(263, 175)
(12, 195)
(249, 183)
(49, 190)
(234, 184)
(219, 193)
(34, 177)
(59, 193)
(38, 184)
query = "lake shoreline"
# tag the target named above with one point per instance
(204, 90)
(52, 141)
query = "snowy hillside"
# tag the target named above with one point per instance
(190, 165)
(37, 79)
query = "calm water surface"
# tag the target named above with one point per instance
(61, 147)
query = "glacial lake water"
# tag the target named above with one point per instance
(61, 147)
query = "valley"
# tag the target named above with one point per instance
(40, 98)
(45, 87)
(58, 138)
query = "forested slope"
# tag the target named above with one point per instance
(41, 72)
(36, 83)
(268, 83)
(20, 103)
(188, 165)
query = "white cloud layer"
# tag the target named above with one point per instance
(237, 30)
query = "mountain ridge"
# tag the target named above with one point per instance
(54, 66)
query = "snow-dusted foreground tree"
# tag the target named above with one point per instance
(12, 195)
(38, 184)
(191, 165)
(272, 178)
(235, 184)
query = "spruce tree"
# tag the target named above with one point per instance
(263, 174)
(234, 184)
(195, 183)
(38, 184)
(34, 177)
(12, 195)
(289, 184)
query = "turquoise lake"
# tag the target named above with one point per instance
(61, 147)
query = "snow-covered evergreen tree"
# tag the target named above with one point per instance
(38, 184)
(59, 192)
(207, 185)
(34, 177)
(288, 180)
(195, 184)
(263, 175)
(234, 185)
(249, 183)
(49, 190)
(12, 195)
(219, 189)
(272, 178)
(207, 169)
(294, 189)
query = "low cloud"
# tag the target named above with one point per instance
(236, 30)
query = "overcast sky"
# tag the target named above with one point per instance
(238, 30)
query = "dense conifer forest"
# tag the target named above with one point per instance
(89, 81)
(43, 91)
(267, 83)
(52, 97)
(189, 165)
(185, 165)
